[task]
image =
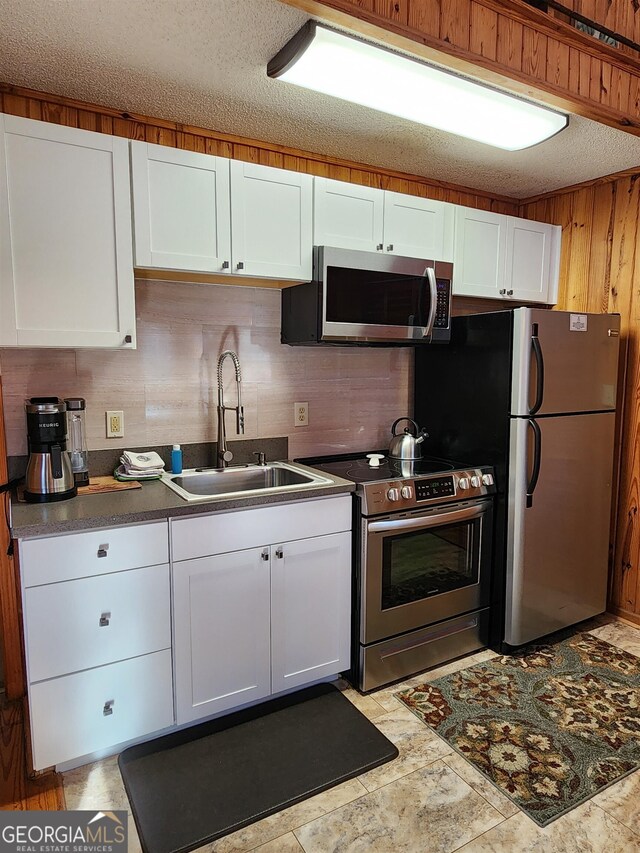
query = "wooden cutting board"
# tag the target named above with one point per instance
(97, 486)
(100, 485)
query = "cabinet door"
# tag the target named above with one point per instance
(529, 259)
(182, 213)
(66, 262)
(271, 222)
(479, 261)
(221, 631)
(310, 609)
(347, 216)
(418, 227)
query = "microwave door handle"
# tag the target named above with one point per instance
(425, 522)
(430, 275)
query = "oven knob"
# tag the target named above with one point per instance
(463, 483)
(475, 481)
(393, 494)
(487, 479)
(406, 492)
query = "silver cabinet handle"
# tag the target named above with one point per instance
(279, 552)
(613, 333)
(240, 265)
(108, 708)
(390, 247)
(265, 554)
(225, 265)
(379, 247)
(509, 292)
(105, 619)
(102, 551)
(503, 291)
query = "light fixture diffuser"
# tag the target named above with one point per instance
(348, 68)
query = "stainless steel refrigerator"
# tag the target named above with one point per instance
(533, 392)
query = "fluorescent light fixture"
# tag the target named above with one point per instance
(331, 62)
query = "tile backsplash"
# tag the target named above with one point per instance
(167, 387)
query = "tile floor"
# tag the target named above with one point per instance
(429, 800)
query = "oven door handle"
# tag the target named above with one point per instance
(428, 521)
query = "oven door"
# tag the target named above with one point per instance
(425, 566)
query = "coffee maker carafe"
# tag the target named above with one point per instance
(49, 475)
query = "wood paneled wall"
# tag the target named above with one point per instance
(9, 609)
(505, 42)
(620, 16)
(600, 272)
(46, 107)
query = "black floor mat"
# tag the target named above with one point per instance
(191, 787)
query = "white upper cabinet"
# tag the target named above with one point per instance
(532, 260)
(347, 216)
(418, 227)
(480, 242)
(350, 216)
(505, 257)
(182, 213)
(66, 260)
(271, 222)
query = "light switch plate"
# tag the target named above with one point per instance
(300, 414)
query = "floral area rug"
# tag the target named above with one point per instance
(550, 726)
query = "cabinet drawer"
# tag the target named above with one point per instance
(94, 710)
(93, 621)
(96, 552)
(233, 531)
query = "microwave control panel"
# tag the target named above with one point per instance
(443, 304)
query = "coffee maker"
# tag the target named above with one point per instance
(49, 475)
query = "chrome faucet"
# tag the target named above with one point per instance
(224, 454)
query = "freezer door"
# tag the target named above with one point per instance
(557, 548)
(570, 366)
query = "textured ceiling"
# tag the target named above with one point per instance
(203, 62)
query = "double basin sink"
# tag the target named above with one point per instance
(199, 484)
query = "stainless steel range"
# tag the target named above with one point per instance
(423, 535)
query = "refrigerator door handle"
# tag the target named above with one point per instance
(537, 351)
(537, 458)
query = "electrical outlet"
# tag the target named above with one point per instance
(301, 414)
(115, 424)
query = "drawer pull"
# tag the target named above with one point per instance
(279, 553)
(102, 550)
(108, 708)
(265, 554)
(105, 619)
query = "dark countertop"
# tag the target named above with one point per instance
(153, 501)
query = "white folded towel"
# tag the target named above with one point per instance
(144, 462)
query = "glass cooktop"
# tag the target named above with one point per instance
(356, 467)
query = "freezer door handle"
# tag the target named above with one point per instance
(537, 352)
(537, 458)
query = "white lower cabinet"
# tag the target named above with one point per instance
(261, 604)
(310, 610)
(95, 709)
(253, 622)
(97, 639)
(221, 613)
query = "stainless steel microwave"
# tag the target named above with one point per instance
(369, 298)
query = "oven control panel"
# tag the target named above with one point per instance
(406, 493)
(435, 487)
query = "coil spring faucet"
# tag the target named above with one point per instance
(224, 454)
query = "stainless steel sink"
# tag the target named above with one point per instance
(208, 483)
